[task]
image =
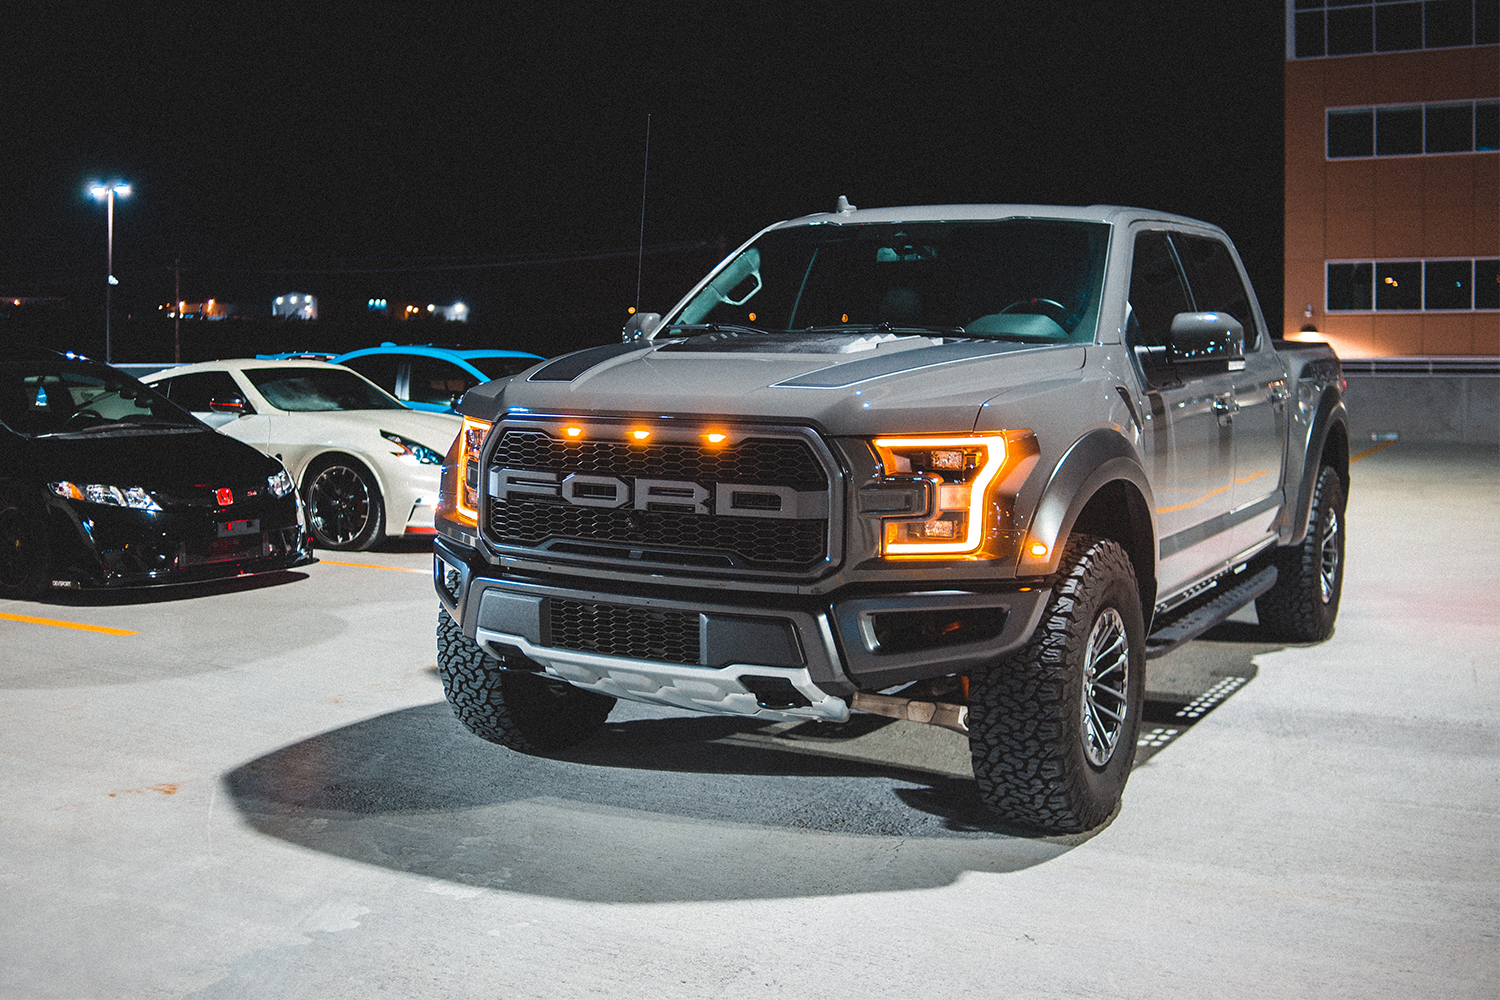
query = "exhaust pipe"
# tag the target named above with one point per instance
(931, 713)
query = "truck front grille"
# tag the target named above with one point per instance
(616, 630)
(689, 533)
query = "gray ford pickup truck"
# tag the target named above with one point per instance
(968, 465)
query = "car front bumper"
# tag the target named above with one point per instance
(94, 545)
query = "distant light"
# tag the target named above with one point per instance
(431, 307)
(844, 318)
(752, 317)
(630, 311)
(278, 300)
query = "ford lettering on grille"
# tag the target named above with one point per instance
(729, 499)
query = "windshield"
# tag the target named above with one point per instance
(38, 399)
(306, 389)
(1014, 279)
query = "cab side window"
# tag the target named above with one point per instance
(1216, 281)
(1156, 295)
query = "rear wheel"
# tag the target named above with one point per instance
(1053, 727)
(528, 712)
(1304, 603)
(25, 556)
(344, 507)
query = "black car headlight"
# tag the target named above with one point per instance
(415, 449)
(280, 484)
(134, 497)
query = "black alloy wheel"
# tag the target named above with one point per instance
(344, 506)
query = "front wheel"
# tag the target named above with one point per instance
(1053, 727)
(25, 556)
(344, 507)
(524, 711)
(1304, 602)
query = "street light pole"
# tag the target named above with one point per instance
(106, 193)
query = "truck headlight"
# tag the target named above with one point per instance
(934, 495)
(470, 440)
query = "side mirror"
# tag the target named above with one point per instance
(1197, 337)
(229, 404)
(640, 326)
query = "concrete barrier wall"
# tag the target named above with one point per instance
(1434, 407)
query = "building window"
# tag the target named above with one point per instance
(1351, 27)
(1412, 285)
(1414, 129)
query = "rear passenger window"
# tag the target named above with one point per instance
(1215, 281)
(433, 380)
(378, 368)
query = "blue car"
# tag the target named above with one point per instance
(433, 378)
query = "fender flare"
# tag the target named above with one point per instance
(1094, 461)
(1332, 416)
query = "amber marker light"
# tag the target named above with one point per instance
(1038, 549)
(716, 438)
(640, 434)
(573, 433)
(962, 469)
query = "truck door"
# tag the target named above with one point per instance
(1259, 413)
(1189, 436)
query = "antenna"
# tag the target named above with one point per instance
(641, 251)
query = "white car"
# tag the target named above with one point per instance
(368, 467)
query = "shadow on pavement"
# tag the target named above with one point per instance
(651, 810)
(659, 808)
(171, 591)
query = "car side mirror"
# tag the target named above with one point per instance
(1198, 337)
(228, 404)
(640, 326)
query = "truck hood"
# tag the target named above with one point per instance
(845, 384)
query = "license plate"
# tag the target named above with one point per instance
(247, 526)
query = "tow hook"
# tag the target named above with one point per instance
(932, 713)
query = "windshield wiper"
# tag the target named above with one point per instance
(715, 328)
(886, 326)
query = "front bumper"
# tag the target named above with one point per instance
(740, 653)
(98, 546)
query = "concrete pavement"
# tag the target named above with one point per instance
(261, 793)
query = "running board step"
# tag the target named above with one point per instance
(1201, 619)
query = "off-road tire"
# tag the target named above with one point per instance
(524, 711)
(25, 554)
(1303, 604)
(344, 507)
(1028, 737)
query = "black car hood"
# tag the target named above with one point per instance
(149, 458)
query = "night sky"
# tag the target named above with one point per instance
(497, 159)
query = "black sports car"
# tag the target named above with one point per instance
(104, 482)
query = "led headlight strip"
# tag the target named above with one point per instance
(961, 469)
(470, 440)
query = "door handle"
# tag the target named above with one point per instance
(1225, 408)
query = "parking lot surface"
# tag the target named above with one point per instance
(256, 790)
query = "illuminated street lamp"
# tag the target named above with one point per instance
(106, 193)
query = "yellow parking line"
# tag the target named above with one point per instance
(1370, 451)
(398, 569)
(62, 624)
